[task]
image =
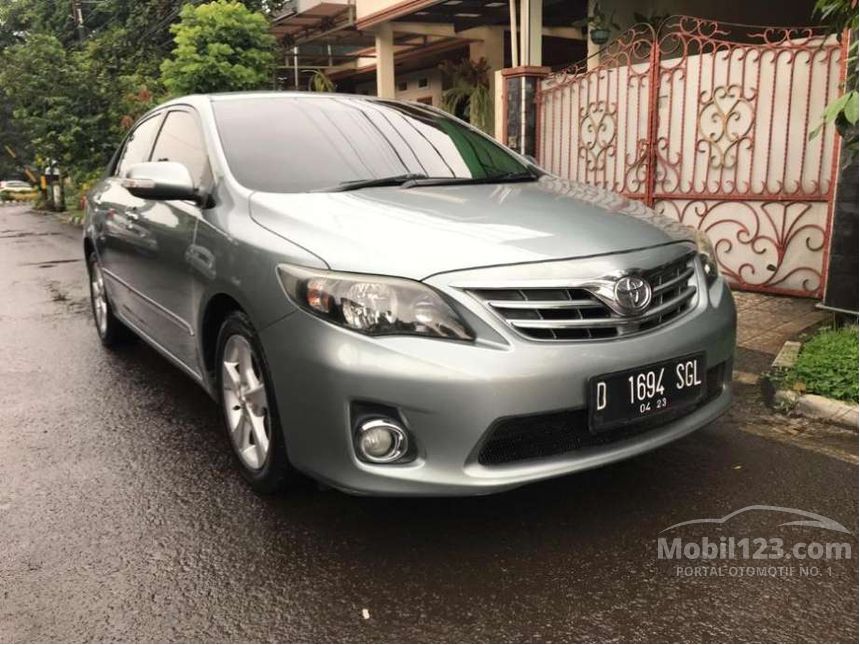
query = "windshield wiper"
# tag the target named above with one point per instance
(355, 184)
(492, 179)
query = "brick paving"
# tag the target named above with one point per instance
(765, 322)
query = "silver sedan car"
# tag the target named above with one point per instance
(387, 300)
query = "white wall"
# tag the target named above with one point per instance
(734, 156)
(413, 91)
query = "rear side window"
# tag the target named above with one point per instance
(180, 140)
(138, 145)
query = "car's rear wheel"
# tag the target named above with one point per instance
(110, 330)
(249, 407)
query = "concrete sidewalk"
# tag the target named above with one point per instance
(765, 322)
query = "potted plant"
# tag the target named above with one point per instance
(469, 92)
(599, 25)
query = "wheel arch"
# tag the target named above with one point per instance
(89, 247)
(217, 308)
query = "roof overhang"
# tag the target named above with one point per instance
(305, 21)
(397, 10)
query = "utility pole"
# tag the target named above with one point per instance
(78, 18)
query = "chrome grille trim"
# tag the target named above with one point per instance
(683, 277)
(656, 312)
(572, 310)
(544, 304)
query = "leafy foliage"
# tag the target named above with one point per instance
(319, 82)
(71, 98)
(469, 93)
(843, 111)
(827, 365)
(39, 80)
(220, 46)
(72, 105)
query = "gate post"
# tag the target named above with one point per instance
(653, 122)
(520, 129)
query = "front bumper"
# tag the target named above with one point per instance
(450, 394)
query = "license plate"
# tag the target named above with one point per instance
(629, 396)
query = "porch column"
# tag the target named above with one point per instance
(384, 61)
(531, 33)
(593, 50)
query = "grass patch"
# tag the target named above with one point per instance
(827, 365)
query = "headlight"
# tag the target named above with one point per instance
(373, 305)
(708, 257)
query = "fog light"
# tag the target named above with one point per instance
(380, 441)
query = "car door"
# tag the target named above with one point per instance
(167, 276)
(122, 241)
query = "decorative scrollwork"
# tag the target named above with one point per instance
(630, 48)
(597, 133)
(760, 245)
(711, 120)
(726, 118)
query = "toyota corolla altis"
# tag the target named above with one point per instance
(385, 299)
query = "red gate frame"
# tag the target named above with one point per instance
(629, 49)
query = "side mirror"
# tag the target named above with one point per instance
(161, 180)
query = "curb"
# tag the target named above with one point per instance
(811, 406)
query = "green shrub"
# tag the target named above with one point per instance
(827, 365)
(220, 46)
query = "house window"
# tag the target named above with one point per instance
(424, 82)
(402, 85)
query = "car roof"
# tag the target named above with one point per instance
(197, 99)
(273, 94)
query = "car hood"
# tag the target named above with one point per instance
(422, 231)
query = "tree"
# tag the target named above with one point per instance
(39, 82)
(73, 106)
(220, 46)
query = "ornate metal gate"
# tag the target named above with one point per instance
(710, 124)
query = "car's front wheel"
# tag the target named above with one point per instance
(248, 405)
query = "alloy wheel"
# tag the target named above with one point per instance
(245, 403)
(100, 305)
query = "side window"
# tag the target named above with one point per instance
(138, 145)
(180, 140)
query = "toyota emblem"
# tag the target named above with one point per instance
(632, 294)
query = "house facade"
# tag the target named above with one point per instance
(677, 103)
(393, 48)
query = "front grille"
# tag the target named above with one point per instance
(575, 313)
(544, 435)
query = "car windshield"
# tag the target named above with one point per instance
(288, 144)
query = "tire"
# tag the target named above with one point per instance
(249, 408)
(109, 328)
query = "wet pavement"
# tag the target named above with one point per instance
(123, 519)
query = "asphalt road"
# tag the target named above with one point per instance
(122, 518)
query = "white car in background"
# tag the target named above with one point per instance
(15, 186)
